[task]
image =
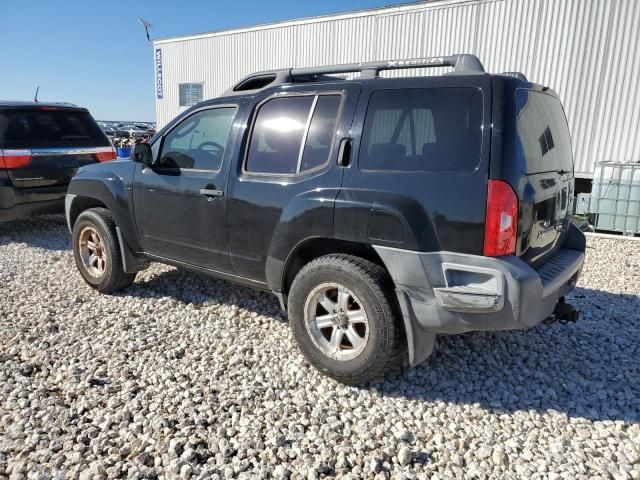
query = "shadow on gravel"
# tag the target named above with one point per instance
(200, 290)
(588, 369)
(48, 232)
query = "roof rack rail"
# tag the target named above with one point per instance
(518, 75)
(462, 63)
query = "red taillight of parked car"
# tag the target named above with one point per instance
(105, 154)
(12, 159)
(501, 223)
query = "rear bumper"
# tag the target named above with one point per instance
(18, 203)
(444, 292)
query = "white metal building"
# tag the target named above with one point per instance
(587, 50)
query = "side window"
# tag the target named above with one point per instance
(293, 134)
(423, 130)
(199, 141)
(322, 131)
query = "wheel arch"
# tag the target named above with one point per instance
(312, 248)
(132, 262)
(420, 344)
(79, 204)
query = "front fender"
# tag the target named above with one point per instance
(110, 184)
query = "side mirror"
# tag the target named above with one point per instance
(142, 154)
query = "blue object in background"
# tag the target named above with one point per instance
(123, 152)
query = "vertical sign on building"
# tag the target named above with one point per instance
(159, 87)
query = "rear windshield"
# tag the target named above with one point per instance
(33, 128)
(423, 130)
(544, 144)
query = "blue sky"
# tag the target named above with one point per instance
(95, 54)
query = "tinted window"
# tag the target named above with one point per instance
(544, 143)
(277, 135)
(49, 128)
(190, 94)
(321, 132)
(199, 141)
(281, 127)
(429, 130)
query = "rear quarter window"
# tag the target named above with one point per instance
(543, 140)
(423, 130)
(33, 128)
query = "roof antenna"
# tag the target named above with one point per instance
(146, 26)
(35, 99)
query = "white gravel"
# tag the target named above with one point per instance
(184, 376)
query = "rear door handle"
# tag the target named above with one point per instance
(211, 193)
(344, 152)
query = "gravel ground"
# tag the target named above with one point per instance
(184, 376)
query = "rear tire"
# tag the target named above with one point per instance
(96, 251)
(345, 318)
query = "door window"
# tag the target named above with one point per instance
(293, 135)
(199, 141)
(321, 132)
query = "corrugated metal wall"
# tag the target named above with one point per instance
(587, 50)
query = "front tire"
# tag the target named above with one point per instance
(344, 318)
(97, 252)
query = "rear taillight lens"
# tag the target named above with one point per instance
(13, 159)
(501, 223)
(104, 154)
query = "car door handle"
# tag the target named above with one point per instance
(208, 192)
(344, 152)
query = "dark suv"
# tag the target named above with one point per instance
(41, 147)
(380, 211)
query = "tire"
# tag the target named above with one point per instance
(378, 345)
(105, 274)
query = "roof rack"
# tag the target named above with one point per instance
(462, 63)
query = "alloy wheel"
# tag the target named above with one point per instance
(336, 321)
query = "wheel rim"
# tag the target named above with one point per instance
(336, 321)
(92, 251)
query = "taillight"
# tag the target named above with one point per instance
(501, 223)
(12, 159)
(104, 154)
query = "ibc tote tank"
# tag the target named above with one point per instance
(615, 197)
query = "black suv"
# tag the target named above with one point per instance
(380, 211)
(41, 147)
